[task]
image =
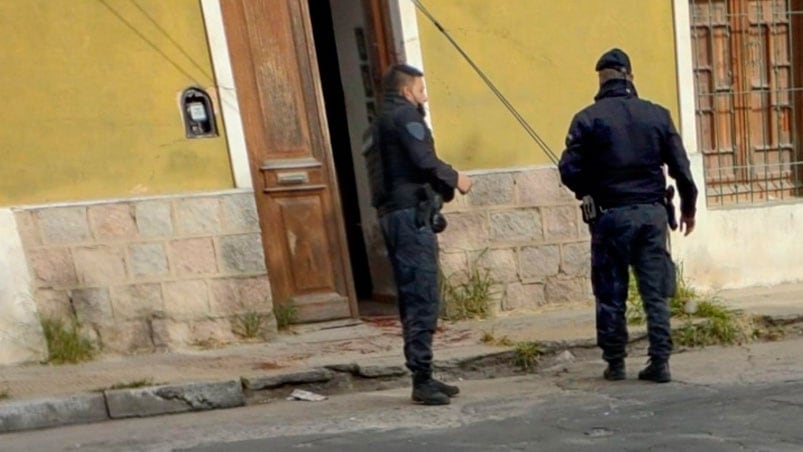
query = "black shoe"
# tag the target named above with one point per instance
(657, 370)
(428, 393)
(615, 370)
(449, 390)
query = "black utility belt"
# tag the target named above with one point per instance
(427, 211)
(592, 211)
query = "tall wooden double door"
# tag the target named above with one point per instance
(279, 93)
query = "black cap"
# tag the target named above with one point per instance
(407, 69)
(614, 59)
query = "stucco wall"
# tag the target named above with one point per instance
(90, 100)
(541, 54)
(21, 337)
(755, 245)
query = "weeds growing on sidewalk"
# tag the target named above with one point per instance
(684, 294)
(251, 324)
(467, 294)
(488, 337)
(65, 343)
(131, 385)
(4, 394)
(286, 314)
(527, 355)
(705, 320)
(732, 329)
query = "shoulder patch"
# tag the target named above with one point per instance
(416, 129)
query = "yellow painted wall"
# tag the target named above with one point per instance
(541, 54)
(89, 93)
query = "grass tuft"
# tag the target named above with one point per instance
(286, 314)
(133, 384)
(705, 320)
(527, 355)
(251, 324)
(65, 343)
(488, 337)
(467, 294)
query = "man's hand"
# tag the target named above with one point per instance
(464, 183)
(686, 225)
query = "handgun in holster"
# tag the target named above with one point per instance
(589, 209)
(671, 218)
(428, 212)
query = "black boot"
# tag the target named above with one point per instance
(449, 390)
(426, 391)
(615, 370)
(657, 370)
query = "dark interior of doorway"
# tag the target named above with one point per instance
(331, 83)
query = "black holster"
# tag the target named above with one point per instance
(428, 211)
(589, 209)
(671, 218)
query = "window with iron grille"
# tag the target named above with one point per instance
(748, 71)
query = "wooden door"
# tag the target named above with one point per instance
(380, 41)
(276, 75)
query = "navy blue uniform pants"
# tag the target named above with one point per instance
(623, 237)
(413, 252)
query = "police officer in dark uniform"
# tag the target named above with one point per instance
(614, 158)
(415, 184)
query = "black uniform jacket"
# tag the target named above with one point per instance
(616, 149)
(408, 156)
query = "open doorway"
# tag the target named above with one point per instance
(345, 45)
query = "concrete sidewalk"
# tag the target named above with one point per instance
(348, 355)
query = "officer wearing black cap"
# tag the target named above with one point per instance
(614, 161)
(412, 184)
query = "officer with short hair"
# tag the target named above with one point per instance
(615, 153)
(413, 184)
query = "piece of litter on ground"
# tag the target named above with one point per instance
(345, 325)
(599, 432)
(300, 394)
(565, 357)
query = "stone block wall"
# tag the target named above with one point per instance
(144, 275)
(526, 229)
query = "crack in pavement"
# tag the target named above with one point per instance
(786, 402)
(194, 401)
(710, 387)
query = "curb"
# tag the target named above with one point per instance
(85, 408)
(22, 415)
(147, 401)
(153, 401)
(118, 404)
(52, 412)
(202, 396)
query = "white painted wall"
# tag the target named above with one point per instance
(406, 40)
(737, 247)
(346, 16)
(758, 245)
(21, 336)
(685, 73)
(221, 62)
